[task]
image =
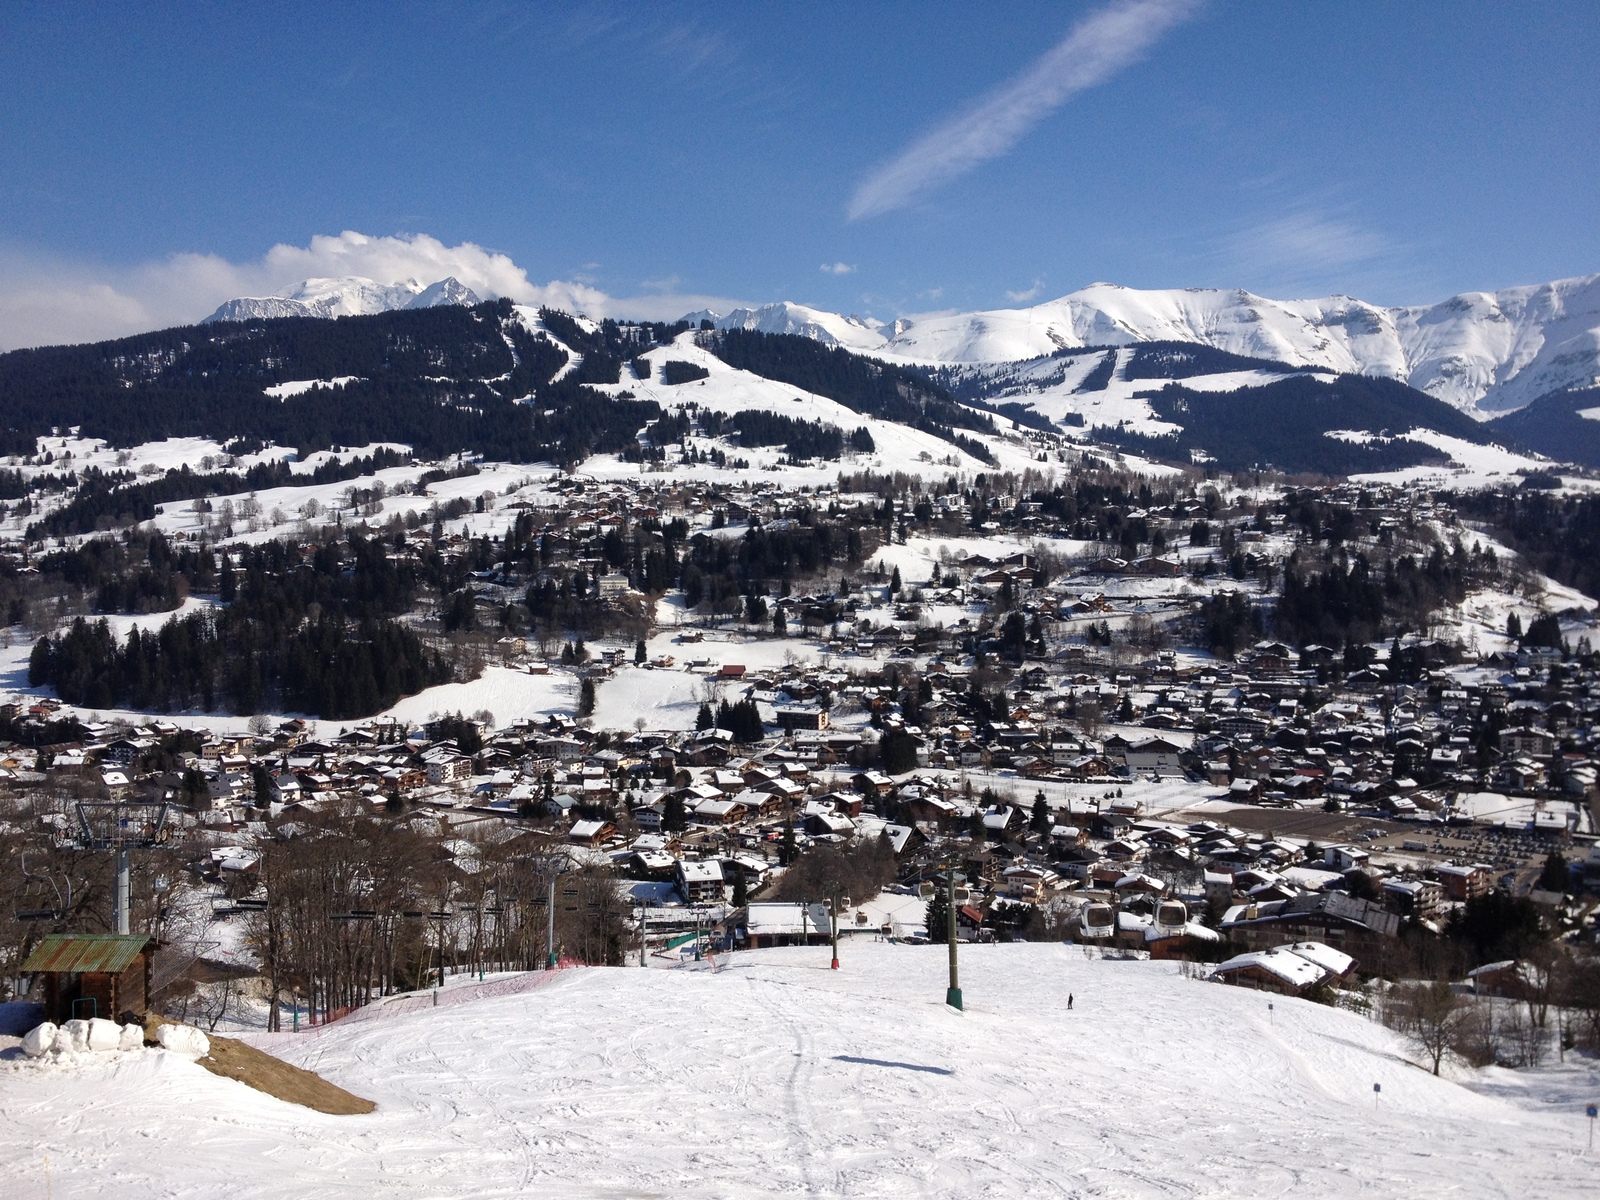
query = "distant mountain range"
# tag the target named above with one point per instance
(1485, 353)
(351, 296)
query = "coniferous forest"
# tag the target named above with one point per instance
(323, 640)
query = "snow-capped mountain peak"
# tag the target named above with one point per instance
(1485, 353)
(861, 334)
(346, 296)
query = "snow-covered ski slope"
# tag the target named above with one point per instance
(729, 390)
(1484, 352)
(1051, 388)
(777, 1077)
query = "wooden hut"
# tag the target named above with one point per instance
(91, 975)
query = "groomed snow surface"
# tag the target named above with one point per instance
(776, 1076)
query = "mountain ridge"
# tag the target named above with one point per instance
(345, 296)
(1484, 353)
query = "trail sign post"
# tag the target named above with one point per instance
(833, 927)
(952, 995)
(1592, 1111)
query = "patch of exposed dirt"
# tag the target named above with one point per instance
(233, 1059)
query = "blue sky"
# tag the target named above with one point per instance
(928, 155)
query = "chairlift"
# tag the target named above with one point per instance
(63, 904)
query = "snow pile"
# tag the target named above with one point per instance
(94, 1036)
(777, 1076)
(39, 1040)
(183, 1039)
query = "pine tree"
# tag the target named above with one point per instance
(741, 890)
(894, 582)
(1553, 877)
(586, 698)
(786, 849)
(640, 654)
(262, 781)
(1513, 626)
(780, 623)
(704, 719)
(1040, 821)
(937, 916)
(673, 817)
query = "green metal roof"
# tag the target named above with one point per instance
(78, 952)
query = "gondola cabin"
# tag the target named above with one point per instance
(1172, 918)
(1099, 921)
(91, 975)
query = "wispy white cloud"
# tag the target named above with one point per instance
(1308, 250)
(1026, 294)
(1099, 46)
(1307, 239)
(838, 268)
(45, 301)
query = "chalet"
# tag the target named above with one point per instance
(719, 812)
(1001, 821)
(91, 975)
(802, 716)
(1332, 917)
(785, 924)
(1282, 970)
(1419, 898)
(871, 784)
(591, 833)
(1462, 883)
(1530, 743)
(446, 769)
(700, 882)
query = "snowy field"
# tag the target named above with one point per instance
(775, 1076)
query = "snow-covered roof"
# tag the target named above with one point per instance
(700, 872)
(1284, 964)
(1335, 962)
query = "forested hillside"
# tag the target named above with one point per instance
(441, 380)
(1285, 424)
(319, 637)
(1554, 424)
(863, 384)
